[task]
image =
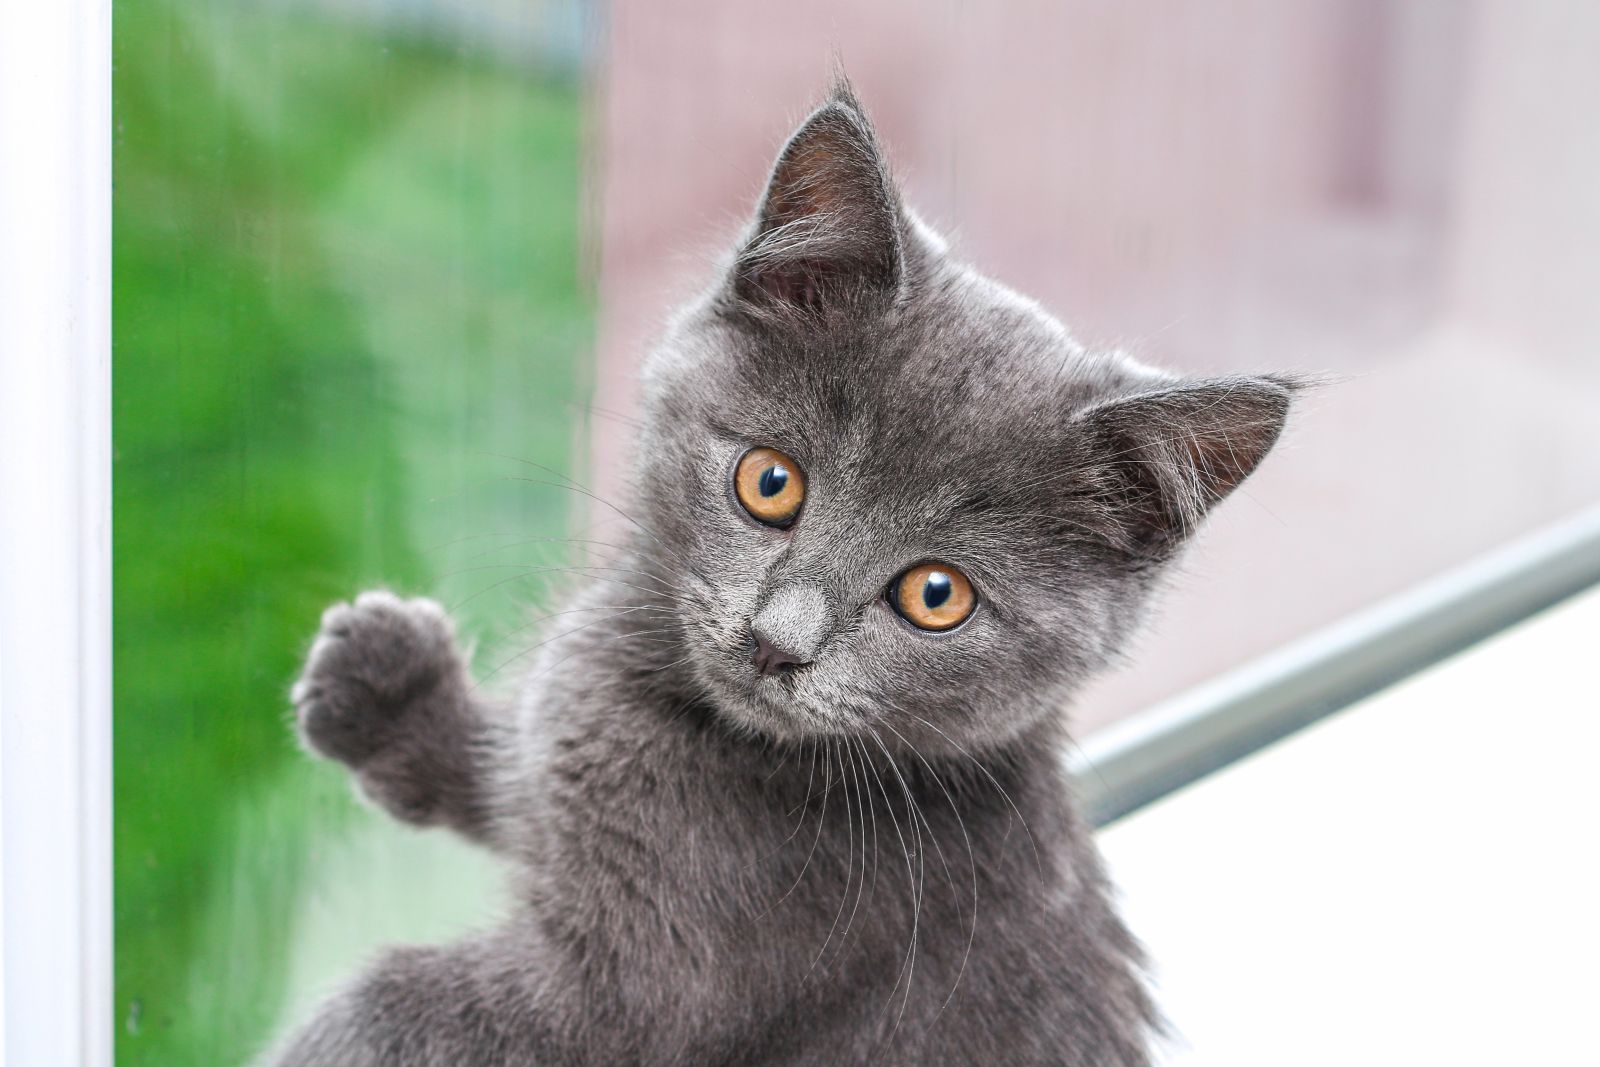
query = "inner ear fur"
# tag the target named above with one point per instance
(1160, 460)
(828, 231)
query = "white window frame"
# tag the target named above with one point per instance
(55, 533)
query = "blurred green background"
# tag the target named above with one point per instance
(346, 289)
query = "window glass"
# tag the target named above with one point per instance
(385, 270)
(351, 345)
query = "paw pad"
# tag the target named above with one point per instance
(371, 661)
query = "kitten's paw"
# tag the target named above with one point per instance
(375, 664)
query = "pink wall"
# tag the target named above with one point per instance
(1403, 195)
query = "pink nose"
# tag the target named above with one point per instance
(771, 658)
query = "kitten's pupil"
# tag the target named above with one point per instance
(773, 479)
(936, 590)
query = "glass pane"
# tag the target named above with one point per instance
(1399, 197)
(356, 341)
(351, 332)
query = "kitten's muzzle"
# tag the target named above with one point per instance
(789, 629)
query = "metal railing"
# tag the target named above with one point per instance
(1206, 728)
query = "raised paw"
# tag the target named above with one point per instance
(375, 665)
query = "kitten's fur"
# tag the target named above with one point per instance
(871, 859)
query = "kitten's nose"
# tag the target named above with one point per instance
(771, 658)
(789, 628)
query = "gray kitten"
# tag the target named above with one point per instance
(786, 785)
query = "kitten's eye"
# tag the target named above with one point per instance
(933, 596)
(770, 486)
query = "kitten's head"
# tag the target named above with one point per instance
(896, 496)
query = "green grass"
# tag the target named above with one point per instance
(345, 282)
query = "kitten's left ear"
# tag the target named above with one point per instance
(1160, 460)
(829, 228)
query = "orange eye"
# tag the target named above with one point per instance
(770, 486)
(933, 596)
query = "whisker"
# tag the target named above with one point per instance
(595, 409)
(872, 808)
(810, 778)
(850, 862)
(787, 752)
(578, 487)
(972, 862)
(530, 570)
(540, 620)
(905, 854)
(920, 814)
(523, 542)
(992, 781)
(556, 637)
(859, 778)
(665, 666)
(916, 914)
(563, 659)
(806, 866)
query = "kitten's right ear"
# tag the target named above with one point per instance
(828, 232)
(1158, 461)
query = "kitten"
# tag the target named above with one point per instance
(786, 785)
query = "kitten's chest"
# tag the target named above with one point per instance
(808, 873)
(850, 920)
(687, 856)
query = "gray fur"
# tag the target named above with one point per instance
(795, 618)
(871, 858)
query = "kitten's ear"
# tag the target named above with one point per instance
(828, 230)
(1160, 460)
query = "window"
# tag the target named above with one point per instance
(352, 335)
(383, 271)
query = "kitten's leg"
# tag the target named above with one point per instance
(424, 1007)
(385, 691)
